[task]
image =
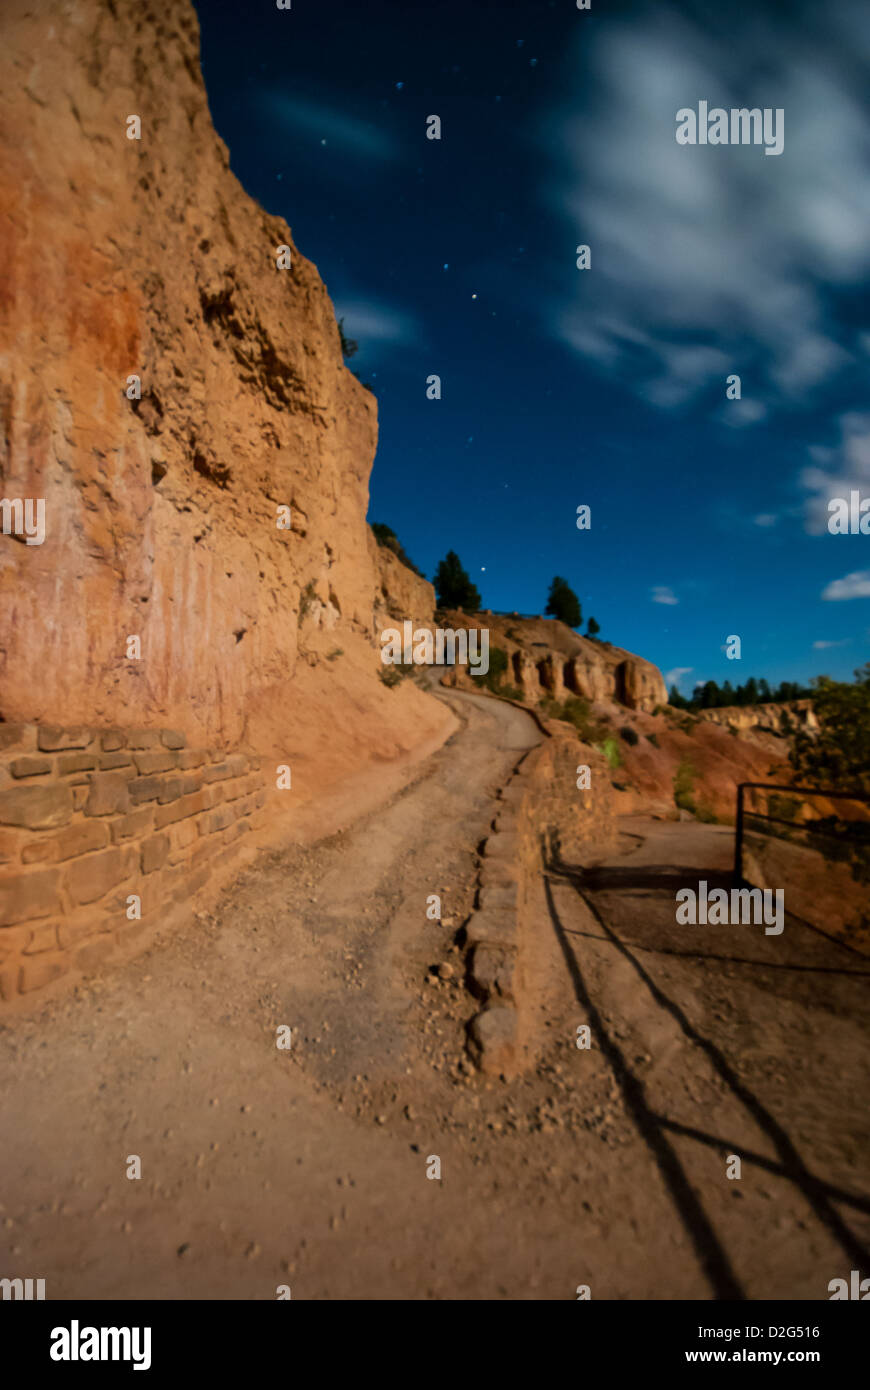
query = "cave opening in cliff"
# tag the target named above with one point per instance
(620, 682)
(545, 675)
(569, 677)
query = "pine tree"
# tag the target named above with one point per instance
(709, 695)
(453, 586)
(563, 603)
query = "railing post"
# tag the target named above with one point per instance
(738, 839)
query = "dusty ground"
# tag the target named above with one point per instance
(726, 1041)
(307, 1167)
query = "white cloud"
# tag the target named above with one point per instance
(855, 585)
(369, 321)
(765, 519)
(825, 646)
(672, 677)
(740, 413)
(838, 470)
(660, 593)
(728, 257)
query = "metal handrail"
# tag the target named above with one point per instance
(778, 787)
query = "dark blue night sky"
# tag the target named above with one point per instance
(604, 386)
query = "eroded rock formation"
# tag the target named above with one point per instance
(775, 718)
(547, 658)
(145, 258)
(401, 593)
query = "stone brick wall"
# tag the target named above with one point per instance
(540, 808)
(91, 817)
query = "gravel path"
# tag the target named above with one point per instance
(307, 1167)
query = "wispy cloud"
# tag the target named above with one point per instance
(837, 470)
(826, 646)
(676, 675)
(730, 259)
(324, 125)
(765, 519)
(371, 321)
(660, 593)
(854, 585)
(739, 414)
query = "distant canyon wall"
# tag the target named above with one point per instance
(774, 718)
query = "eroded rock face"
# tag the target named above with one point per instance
(777, 718)
(146, 258)
(546, 658)
(639, 684)
(401, 593)
(590, 679)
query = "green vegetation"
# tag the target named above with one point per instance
(335, 654)
(306, 598)
(610, 749)
(577, 711)
(453, 586)
(392, 675)
(498, 664)
(349, 346)
(653, 739)
(592, 628)
(684, 793)
(684, 786)
(386, 536)
(838, 756)
(629, 734)
(563, 603)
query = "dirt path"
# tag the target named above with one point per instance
(728, 1041)
(308, 1167)
(264, 1166)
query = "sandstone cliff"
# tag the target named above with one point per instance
(547, 658)
(207, 601)
(774, 718)
(401, 593)
(145, 257)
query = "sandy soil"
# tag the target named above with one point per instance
(308, 1168)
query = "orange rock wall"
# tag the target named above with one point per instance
(146, 257)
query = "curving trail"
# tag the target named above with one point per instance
(254, 1160)
(308, 1167)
